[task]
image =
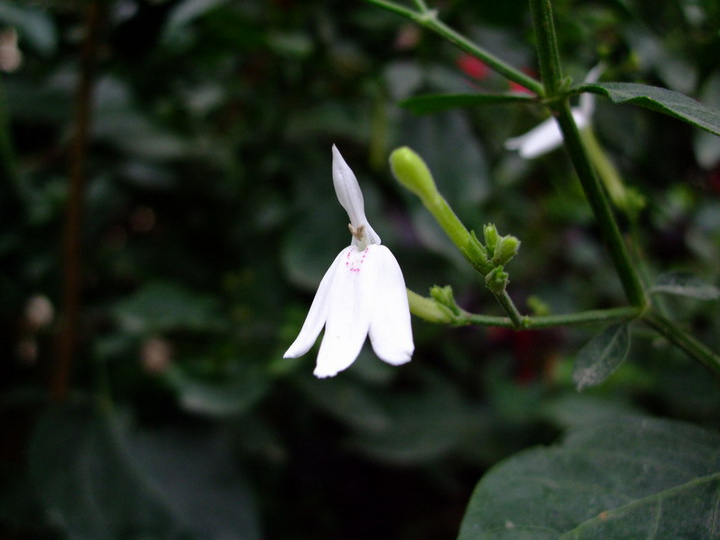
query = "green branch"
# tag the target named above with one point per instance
(600, 206)
(694, 348)
(547, 49)
(448, 312)
(427, 18)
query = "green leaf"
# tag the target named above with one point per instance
(160, 306)
(601, 356)
(625, 477)
(346, 400)
(232, 396)
(100, 480)
(35, 26)
(85, 479)
(660, 100)
(418, 426)
(684, 284)
(443, 102)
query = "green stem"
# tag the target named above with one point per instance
(428, 19)
(516, 319)
(683, 340)
(600, 316)
(547, 49)
(600, 206)
(473, 251)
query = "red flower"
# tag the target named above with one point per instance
(472, 67)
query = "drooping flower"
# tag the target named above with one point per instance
(547, 136)
(362, 294)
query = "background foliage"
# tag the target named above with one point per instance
(209, 218)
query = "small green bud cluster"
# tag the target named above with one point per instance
(501, 249)
(444, 296)
(489, 259)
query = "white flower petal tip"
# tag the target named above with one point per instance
(546, 136)
(351, 199)
(540, 140)
(362, 294)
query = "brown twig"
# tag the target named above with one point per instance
(72, 252)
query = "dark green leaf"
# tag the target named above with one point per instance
(160, 306)
(34, 25)
(460, 168)
(601, 356)
(99, 481)
(626, 477)
(197, 472)
(661, 100)
(418, 426)
(346, 400)
(86, 480)
(444, 102)
(230, 397)
(684, 284)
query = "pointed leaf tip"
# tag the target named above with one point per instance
(601, 356)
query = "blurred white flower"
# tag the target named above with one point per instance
(362, 293)
(10, 54)
(547, 136)
(39, 312)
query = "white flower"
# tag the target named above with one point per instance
(547, 136)
(362, 293)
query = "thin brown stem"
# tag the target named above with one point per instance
(72, 234)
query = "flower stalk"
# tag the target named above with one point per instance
(412, 172)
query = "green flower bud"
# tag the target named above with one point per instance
(491, 237)
(538, 307)
(444, 296)
(412, 172)
(507, 247)
(429, 309)
(497, 280)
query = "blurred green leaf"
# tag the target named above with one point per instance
(660, 100)
(419, 426)
(35, 26)
(437, 103)
(198, 475)
(99, 482)
(163, 306)
(684, 284)
(603, 354)
(86, 479)
(346, 400)
(455, 157)
(232, 396)
(626, 477)
(186, 11)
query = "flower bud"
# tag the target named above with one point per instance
(497, 280)
(445, 297)
(507, 247)
(491, 237)
(412, 172)
(429, 309)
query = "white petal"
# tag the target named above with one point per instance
(544, 137)
(538, 141)
(390, 327)
(587, 99)
(349, 314)
(350, 196)
(317, 316)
